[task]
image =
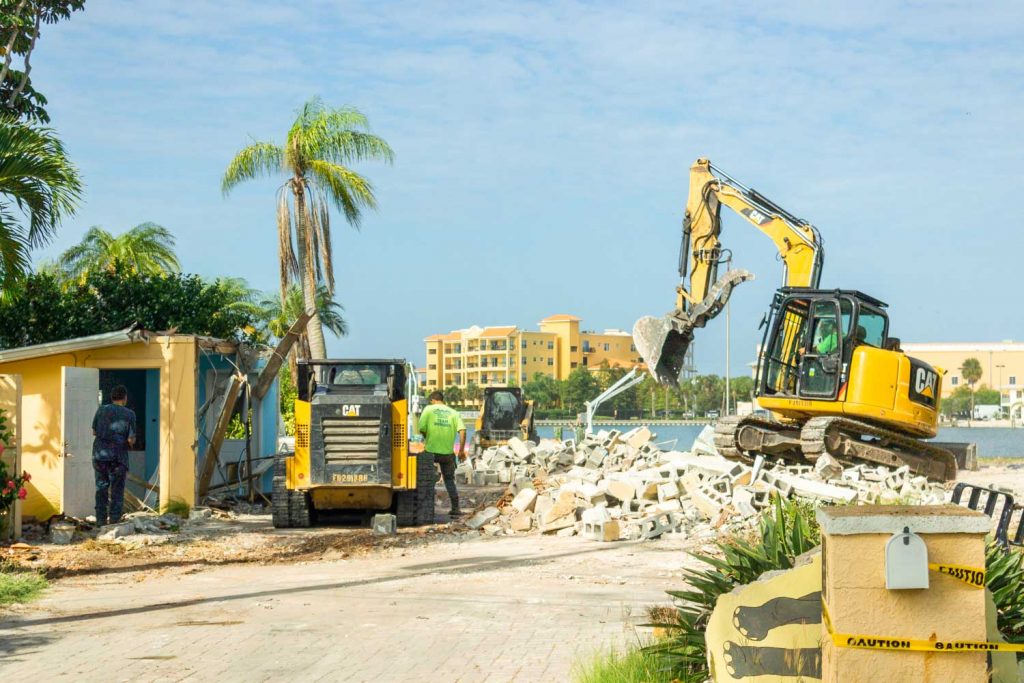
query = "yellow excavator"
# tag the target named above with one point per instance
(833, 378)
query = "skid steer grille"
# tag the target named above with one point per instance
(351, 442)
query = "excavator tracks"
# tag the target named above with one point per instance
(851, 442)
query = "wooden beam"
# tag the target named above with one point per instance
(279, 356)
(217, 440)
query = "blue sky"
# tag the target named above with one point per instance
(542, 150)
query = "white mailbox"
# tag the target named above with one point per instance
(906, 561)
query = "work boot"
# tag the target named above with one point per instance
(455, 512)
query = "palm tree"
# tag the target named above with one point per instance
(318, 145)
(278, 319)
(39, 187)
(971, 370)
(147, 248)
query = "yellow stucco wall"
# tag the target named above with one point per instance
(42, 452)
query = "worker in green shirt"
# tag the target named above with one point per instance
(439, 424)
(829, 340)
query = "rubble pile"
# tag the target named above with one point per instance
(620, 485)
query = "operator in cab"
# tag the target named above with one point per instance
(439, 425)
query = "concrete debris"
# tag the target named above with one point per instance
(385, 525)
(616, 485)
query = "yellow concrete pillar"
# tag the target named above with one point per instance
(855, 596)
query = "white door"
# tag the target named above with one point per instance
(81, 398)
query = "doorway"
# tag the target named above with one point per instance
(143, 387)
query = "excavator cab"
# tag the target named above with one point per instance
(810, 339)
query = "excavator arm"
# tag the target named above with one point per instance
(663, 342)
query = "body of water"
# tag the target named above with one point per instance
(993, 442)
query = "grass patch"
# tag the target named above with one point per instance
(634, 666)
(176, 506)
(20, 586)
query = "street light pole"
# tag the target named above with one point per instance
(999, 388)
(728, 366)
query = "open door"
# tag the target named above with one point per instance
(80, 399)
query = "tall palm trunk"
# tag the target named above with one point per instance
(314, 329)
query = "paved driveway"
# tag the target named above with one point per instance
(502, 609)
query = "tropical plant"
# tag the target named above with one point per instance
(317, 148)
(971, 370)
(453, 395)
(39, 187)
(785, 533)
(278, 319)
(474, 393)
(20, 21)
(1004, 572)
(42, 309)
(147, 248)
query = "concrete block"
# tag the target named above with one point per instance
(818, 490)
(385, 525)
(112, 531)
(583, 474)
(605, 530)
(564, 507)
(656, 525)
(525, 500)
(483, 517)
(674, 505)
(636, 438)
(543, 504)
(667, 491)
(505, 476)
(828, 467)
(522, 521)
(620, 489)
(743, 501)
(566, 532)
(559, 524)
(519, 448)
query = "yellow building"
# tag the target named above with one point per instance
(503, 355)
(169, 379)
(1002, 363)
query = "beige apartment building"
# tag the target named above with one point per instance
(1002, 365)
(503, 355)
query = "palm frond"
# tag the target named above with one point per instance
(289, 266)
(349, 191)
(260, 159)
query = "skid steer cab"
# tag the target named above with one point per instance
(505, 414)
(352, 423)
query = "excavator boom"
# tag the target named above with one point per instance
(663, 342)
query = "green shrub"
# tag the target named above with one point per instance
(177, 506)
(1005, 578)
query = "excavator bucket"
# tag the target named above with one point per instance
(663, 342)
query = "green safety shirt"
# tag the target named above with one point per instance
(829, 343)
(439, 425)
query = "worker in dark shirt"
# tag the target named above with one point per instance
(114, 429)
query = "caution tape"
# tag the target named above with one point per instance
(867, 642)
(972, 576)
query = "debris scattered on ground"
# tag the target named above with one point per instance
(620, 485)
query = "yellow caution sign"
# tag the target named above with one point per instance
(972, 576)
(869, 642)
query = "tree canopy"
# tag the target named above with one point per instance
(147, 248)
(41, 309)
(21, 21)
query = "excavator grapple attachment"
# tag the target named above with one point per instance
(663, 342)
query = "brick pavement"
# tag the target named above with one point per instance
(504, 609)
